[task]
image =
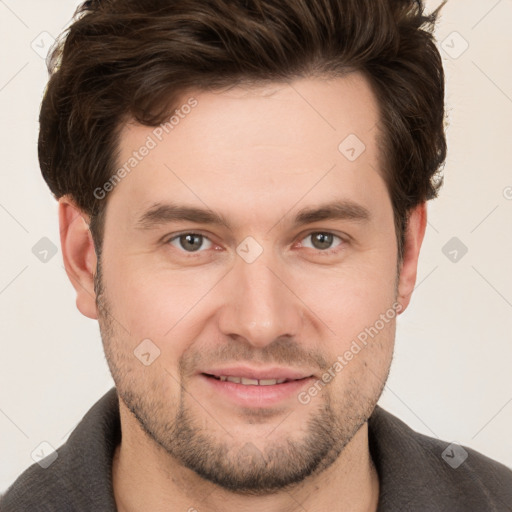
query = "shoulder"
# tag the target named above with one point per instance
(40, 489)
(79, 478)
(419, 472)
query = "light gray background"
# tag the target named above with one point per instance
(451, 376)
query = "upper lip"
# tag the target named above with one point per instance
(273, 372)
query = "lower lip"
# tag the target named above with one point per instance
(257, 396)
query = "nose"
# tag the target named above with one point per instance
(259, 304)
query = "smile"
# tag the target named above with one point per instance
(252, 392)
(250, 382)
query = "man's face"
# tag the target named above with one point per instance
(263, 297)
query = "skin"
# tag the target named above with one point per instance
(294, 306)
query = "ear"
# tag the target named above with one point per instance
(79, 254)
(414, 234)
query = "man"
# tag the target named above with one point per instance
(242, 195)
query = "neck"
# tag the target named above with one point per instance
(145, 477)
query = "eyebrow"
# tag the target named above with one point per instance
(163, 213)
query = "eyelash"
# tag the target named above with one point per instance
(197, 253)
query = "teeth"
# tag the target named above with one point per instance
(251, 382)
(268, 382)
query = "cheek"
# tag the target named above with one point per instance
(157, 304)
(353, 297)
(357, 304)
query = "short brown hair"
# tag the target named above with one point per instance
(132, 59)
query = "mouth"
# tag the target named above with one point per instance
(246, 381)
(256, 389)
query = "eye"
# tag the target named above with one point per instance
(189, 242)
(193, 242)
(322, 241)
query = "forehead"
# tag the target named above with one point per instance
(312, 138)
